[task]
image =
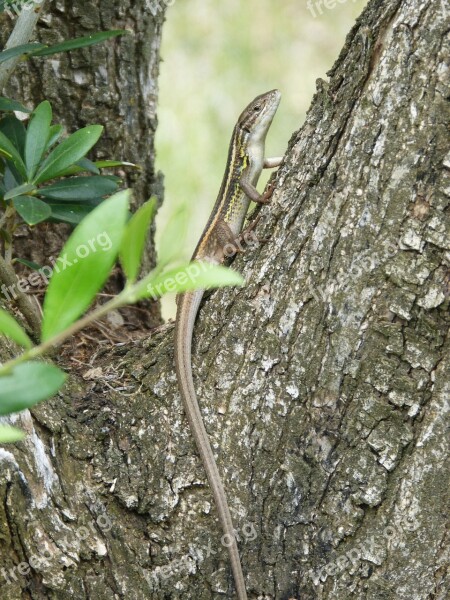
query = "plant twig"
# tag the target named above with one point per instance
(21, 34)
(9, 279)
(117, 302)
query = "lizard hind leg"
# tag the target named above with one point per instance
(228, 245)
(223, 241)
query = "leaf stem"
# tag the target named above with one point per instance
(10, 281)
(6, 215)
(117, 302)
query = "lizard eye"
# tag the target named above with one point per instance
(257, 108)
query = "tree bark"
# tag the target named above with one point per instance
(324, 383)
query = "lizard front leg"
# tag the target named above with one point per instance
(274, 161)
(250, 190)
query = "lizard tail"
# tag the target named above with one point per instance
(188, 304)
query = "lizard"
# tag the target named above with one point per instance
(244, 166)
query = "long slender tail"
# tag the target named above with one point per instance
(188, 305)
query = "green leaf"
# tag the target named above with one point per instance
(11, 328)
(10, 434)
(15, 131)
(79, 188)
(93, 167)
(134, 239)
(110, 164)
(113, 178)
(70, 212)
(10, 181)
(88, 165)
(25, 188)
(28, 263)
(5, 154)
(172, 240)
(68, 152)
(193, 276)
(81, 42)
(88, 264)
(55, 133)
(32, 210)
(7, 104)
(38, 133)
(83, 165)
(19, 50)
(28, 384)
(16, 159)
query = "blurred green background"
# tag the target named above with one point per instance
(217, 56)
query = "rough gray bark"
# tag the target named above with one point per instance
(324, 382)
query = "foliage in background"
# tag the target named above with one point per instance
(31, 157)
(24, 381)
(39, 170)
(36, 49)
(40, 181)
(220, 66)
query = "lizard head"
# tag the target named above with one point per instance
(257, 117)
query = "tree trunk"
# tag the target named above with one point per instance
(324, 383)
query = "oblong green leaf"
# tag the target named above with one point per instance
(68, 152)
(79, 275)
(28, 263)
(134, 239)
(79, 188)
(81, 42)
(93, 167)
(7, 104)
(16, 159)
(5, 154)
(70, 212)
(11, 328)
(108, 164)
(84, 165)
(28, 384)
(88, 165)
(115, 178)
(32, 210)
(38, 133)
(14, 130)
(25, 188)
(19, 50)
(54, 134)
(193, 276)
(9, 434)
(10, 179)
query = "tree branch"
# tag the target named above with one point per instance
(21, 34)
